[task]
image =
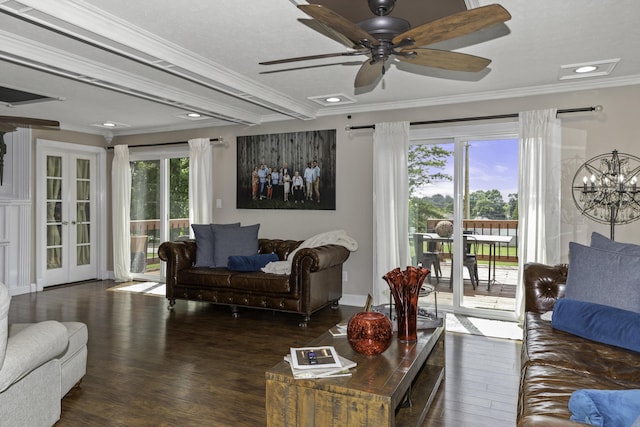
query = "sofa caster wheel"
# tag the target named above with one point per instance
(234, 312)
(172, 302)
(335, 305)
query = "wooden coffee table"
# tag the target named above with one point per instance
(377, 394)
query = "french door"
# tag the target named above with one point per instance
(67, 231)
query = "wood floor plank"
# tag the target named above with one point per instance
(199, 366)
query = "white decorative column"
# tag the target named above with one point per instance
(15, 214)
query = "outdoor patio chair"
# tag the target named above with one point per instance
(430, 258)
(470, 260)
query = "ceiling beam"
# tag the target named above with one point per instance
(87, 23)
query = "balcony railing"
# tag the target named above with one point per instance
(505, 252)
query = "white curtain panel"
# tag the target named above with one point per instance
(539, 194)
(390, 204)
(121, 200)
(200, 181)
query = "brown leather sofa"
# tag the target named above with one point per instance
(314, 283)
(556, 363)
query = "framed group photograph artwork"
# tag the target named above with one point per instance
(295, 170)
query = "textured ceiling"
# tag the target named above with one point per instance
(145, 64)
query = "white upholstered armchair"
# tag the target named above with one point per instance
(39, 364)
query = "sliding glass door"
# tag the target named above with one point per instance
(463, 216)
(159, 207)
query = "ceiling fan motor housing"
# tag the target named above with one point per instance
(385, 27)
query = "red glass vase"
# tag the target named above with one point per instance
(405, 288)
(369, 332)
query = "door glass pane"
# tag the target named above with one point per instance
(491, 222)
(145, 211)
(430, 203)
(54, 212)
(178, 198)
(83, 217)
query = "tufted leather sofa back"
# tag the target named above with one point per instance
(544, 284)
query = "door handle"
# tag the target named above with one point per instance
(65, 222)
(73, 222)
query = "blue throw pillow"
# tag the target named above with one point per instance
(234, 241)
(250, 263)
(605, 408)
(205, 243)
(601, 242)
(597, 322)
(603, 277)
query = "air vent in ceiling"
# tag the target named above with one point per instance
(17, 97)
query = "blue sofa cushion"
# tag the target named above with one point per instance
(605, 408)
(603, 277)
(597, 322)
(250, 263)
(205, 242)
(602, 242)
(228, 242)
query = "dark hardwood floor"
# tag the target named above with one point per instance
(198, 366)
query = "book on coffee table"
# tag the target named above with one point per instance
(314, 357)
(342, 371)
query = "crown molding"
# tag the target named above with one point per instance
(563, 87)
(90, 24)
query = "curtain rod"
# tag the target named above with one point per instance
(470, 119)
(219, 140)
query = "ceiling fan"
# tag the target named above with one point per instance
(384, 36)
(10, 124)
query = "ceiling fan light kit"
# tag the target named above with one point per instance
(382, 37)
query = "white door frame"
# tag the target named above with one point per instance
(43, 145)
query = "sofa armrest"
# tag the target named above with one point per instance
(178, 255)
(544, 285)
(319, 258)
(30, 348)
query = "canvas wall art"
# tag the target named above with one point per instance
(295, 170)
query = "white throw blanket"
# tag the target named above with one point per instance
(335, 237)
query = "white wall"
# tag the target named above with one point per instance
(588, 133)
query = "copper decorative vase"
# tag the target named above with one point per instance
(369, 332)
(405, 288)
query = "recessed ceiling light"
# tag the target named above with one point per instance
(192, 115)
(333, 99)
(585, 69)
(110, 125)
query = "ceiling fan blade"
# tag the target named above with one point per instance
(27, 122)
(368, 73)
(338, 23)
(328, 32)
(444, 59)
(307, 58)
(455, 25)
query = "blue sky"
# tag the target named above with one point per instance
(492, 165)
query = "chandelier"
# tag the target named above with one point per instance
(605, 189)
